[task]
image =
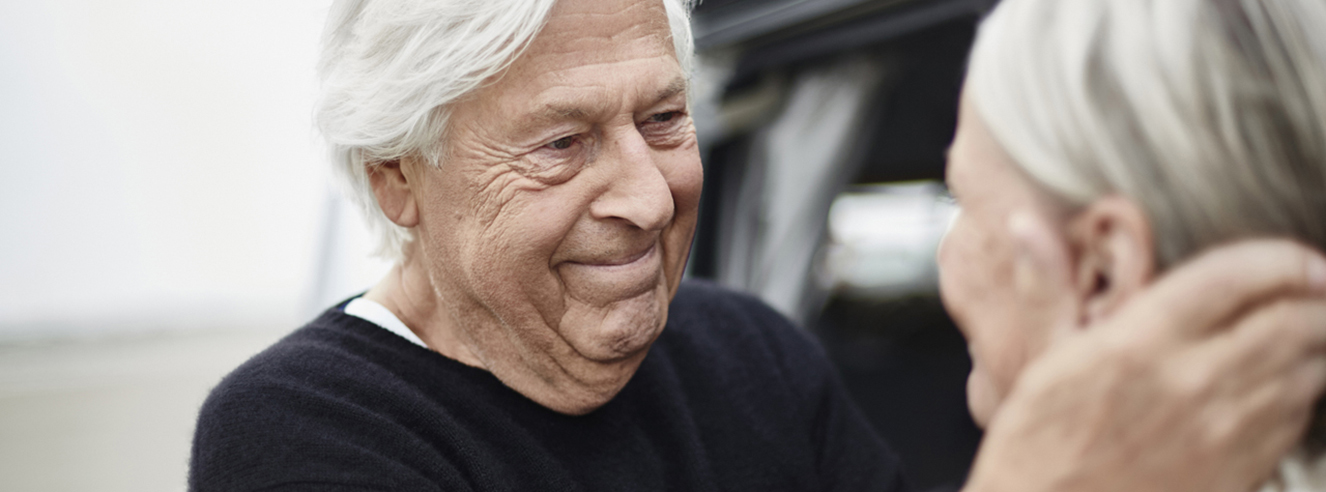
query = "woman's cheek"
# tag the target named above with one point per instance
(982, 397)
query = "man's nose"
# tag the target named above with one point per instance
(639, 192)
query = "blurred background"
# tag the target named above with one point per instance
(167, 212)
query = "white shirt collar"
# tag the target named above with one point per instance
(379, 315)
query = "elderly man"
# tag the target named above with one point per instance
(532, 167)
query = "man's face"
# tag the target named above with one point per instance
(557, 228)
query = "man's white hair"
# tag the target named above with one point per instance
(1211, 114)
(392, 68)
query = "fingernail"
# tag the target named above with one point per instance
(1317, 275)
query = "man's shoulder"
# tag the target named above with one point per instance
(298, 395)
(316, 364)
(328, 349)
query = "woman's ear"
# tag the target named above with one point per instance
(395, 191)
(1115, 255)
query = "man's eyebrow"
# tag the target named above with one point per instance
(677, 86)
(557, 112)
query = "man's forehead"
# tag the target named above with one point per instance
(576, 20)
(592, 57)
(577, 105)
(599, 28)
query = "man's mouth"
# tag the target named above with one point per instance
(616, 276)
(622, 260)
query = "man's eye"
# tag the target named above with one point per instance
(562, 143)
(663, 117)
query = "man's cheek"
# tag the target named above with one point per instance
(686, 181)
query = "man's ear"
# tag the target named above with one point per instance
(1115, 255)
(395, 192)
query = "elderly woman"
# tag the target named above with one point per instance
(1101, 143)
(532, 168)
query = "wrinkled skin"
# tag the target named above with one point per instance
(553, 236)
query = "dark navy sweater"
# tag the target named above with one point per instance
(731, 397)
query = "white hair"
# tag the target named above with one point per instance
(1211, 114)
(391, 69)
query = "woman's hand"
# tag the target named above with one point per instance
(1201, 383)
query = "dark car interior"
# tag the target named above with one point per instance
(862, 94)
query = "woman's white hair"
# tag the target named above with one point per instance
(392, 68)
(1211, 114)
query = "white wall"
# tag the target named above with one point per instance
(160, 170)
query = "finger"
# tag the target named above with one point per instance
(1284, 399)
(1307, 382)
(1269, 421)
(1283, 332)
(1278, 415)
(1259, 452)
(1195, 297)
(1274, 372)
(1264, 345)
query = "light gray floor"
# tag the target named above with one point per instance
(109, 415)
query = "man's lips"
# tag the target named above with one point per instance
(615, 277)
(620, 260)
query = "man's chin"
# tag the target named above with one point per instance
(619, 331)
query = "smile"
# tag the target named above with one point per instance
(617, 277)
(626, 260)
